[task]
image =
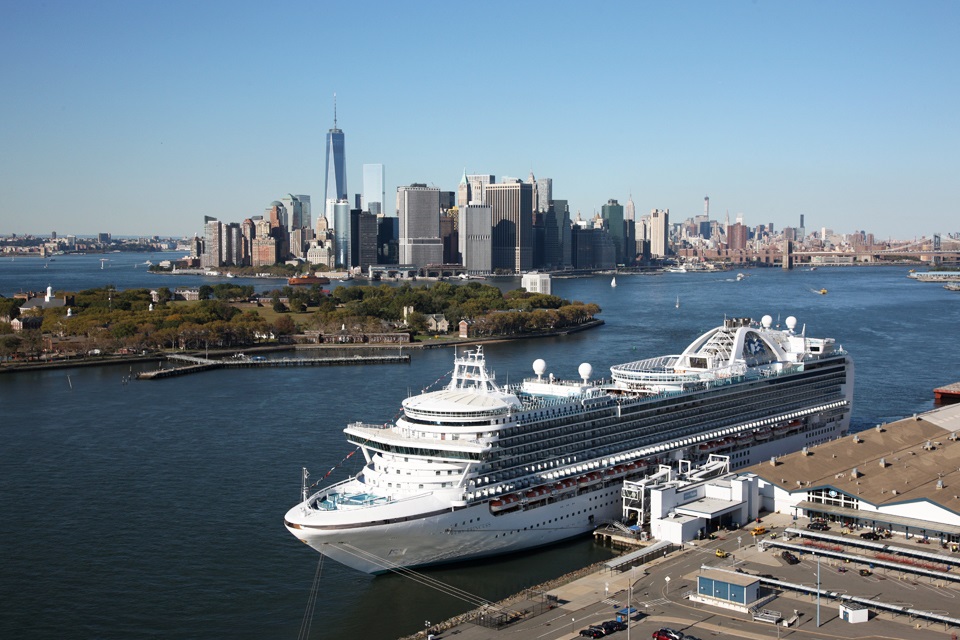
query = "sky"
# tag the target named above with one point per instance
(141, 117)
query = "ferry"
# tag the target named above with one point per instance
(307, 279)
(476, 469)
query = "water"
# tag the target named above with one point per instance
(155, 508)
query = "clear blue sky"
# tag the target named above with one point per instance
(141, 117)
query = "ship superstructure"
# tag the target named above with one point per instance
(475, 469)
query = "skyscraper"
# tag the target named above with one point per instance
(511, 206)
(613, 214)
(373, 194)
(341, 233)
(475, 227)
(629, 209)
(544, 193)
(478, 184)
(659, 230)
(335, 187)
(418, 207)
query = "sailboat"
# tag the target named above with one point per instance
(678, 302)
(613, 282)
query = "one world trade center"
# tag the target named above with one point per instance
(335, 187)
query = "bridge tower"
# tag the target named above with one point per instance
(937, 258)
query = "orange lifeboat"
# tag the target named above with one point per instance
(506, 502)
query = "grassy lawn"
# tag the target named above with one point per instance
(268, 314)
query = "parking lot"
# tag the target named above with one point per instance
(657, 591)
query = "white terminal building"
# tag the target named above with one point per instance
(902, 477)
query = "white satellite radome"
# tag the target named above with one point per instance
(791, 322)
(766, 321)
(585, 370)
(539, 366)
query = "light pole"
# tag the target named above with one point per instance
(572, 620)
(818, 592)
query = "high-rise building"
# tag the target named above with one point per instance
(363, 239)
(463, 192)
(293, 211)
(212, 240)
(388, 235)
(305, 215)
(544, 194)
(512, 216)
(341, 233)
(613, 214)
(476, 224)
(562, 210)
(629, 210)
(373, 194)
(659, 232)
(335, 187)
(418, 207)
(534, 203)
(478, 185)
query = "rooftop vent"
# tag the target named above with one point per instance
(883, 463)
(857, 439)
(893, 491)
(854, 473)
(805, 451)
(879, 428)
(773, 461)
(939, 484)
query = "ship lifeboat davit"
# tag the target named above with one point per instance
(506, 502)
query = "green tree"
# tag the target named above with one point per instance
(206, 291)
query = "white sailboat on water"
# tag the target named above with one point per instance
(678, 302)
(613, 282)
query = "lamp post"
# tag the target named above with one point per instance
(818, 591)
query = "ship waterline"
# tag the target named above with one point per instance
(475, 469)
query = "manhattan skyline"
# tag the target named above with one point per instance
(137, 118)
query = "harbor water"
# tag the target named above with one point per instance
(144, 509)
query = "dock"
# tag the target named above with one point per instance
(197, 364)
(949, 394)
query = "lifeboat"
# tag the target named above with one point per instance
(762, 434)
(744, 438)
(793, 425)
(713, 445)
(506, 502)
(589, 479)
(780, 429)
(536, 493)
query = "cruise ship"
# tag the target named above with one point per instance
(477, 469)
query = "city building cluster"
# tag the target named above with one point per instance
(490, 226)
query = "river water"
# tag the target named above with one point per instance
(144, 509)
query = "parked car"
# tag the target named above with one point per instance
(592, 632)
(871, 535)
(789, 558)
(667, 634)
(720, 553)
(818, 526)
(613, 625)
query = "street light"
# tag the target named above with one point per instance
(818, 591)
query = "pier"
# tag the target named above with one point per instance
(198, 364)
(949, 394)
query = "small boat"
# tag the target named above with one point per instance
(613, 282)
(678, 302)
(741, 276)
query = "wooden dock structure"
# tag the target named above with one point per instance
(198, 364)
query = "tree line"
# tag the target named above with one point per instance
(106, 320)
